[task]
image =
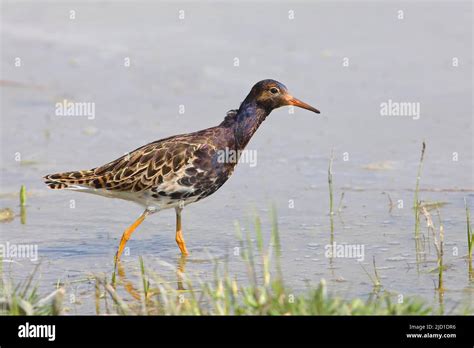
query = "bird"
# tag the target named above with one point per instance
(179, 170)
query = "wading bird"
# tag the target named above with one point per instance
(182, 169)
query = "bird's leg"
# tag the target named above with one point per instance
(179, 232)
(128, 232)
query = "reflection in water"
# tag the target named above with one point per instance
(180, 271)
(441, 300)
(23, 215)
(132, 290)
(471, 273)
(127, 284)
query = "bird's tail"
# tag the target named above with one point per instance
(69, 179)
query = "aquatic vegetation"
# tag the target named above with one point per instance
(263, 293)
(6, 215)
(470, 240)
(23, 298)
(419, 247)
(23, 204)
(22, 195)
(331, 200)
(377, 284)
(438, 242)
(470, 236)
(417, 188)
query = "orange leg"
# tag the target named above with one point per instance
(128, 233)
(179, 233)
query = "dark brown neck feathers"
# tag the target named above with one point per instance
(248, 119)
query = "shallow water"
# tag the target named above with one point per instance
(190, 62)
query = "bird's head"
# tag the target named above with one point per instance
(271, 94)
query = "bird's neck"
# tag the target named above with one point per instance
(246, 122)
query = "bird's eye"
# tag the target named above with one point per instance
(274, 90)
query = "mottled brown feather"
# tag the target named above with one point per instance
(183, 160)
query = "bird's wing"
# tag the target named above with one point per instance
(160, 163)
(156, 163)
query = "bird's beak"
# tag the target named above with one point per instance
(296, 102)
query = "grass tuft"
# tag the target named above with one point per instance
(470, 241)
(419, 247)
(438, 242)
(263, 292)
(23, 298)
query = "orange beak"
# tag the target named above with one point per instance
(296, 102)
